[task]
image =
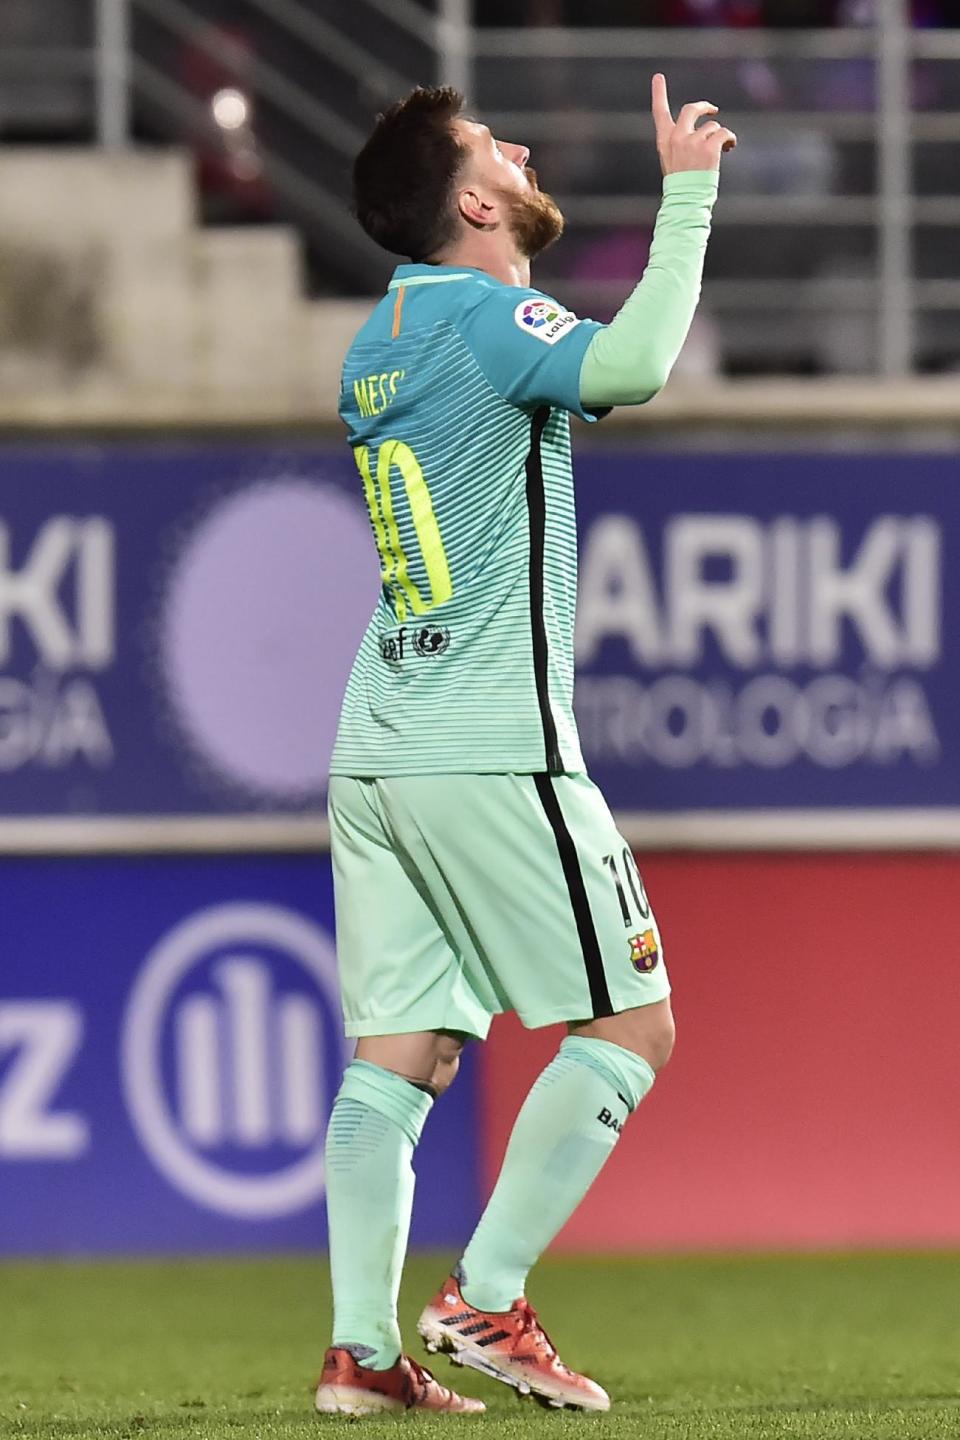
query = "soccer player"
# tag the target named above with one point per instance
(477, 868)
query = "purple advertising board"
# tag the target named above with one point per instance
(176, 625)
(764, 632)
(755, 633)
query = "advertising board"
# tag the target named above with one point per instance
(760, 639)
(771, 633)
(170, 1045)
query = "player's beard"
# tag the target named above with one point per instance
(535, 218)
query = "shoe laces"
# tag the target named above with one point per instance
(422, 1376)
(530, 1324)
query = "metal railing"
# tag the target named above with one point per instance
(314, 139)
(833, 250)
(132, 75)
(852, 242)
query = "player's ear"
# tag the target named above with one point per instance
(475, 210)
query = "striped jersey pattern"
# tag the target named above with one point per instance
(456, 396)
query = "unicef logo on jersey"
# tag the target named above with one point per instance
(231, 1049)
(426, 641)
(431, 639)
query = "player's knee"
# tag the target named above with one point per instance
(653, 1039)
(660, 1041)
(648, 1031)
(446, 1062)
(428, 1059)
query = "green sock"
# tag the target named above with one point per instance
(566, 1129)
(374, 1128)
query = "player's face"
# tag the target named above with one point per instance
(499, 172)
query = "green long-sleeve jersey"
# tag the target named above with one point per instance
(456, 395)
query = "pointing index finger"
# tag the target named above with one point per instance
(662, 115)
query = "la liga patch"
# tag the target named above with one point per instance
(545, 319)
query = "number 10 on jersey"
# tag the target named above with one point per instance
(394, 569)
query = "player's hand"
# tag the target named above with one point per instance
(683, 144)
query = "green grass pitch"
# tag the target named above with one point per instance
(866, 1347)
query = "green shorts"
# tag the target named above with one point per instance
(460, 896)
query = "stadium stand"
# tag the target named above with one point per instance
(835, 255)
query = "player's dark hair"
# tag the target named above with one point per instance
(403, 177)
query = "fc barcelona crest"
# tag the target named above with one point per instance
(643, 952)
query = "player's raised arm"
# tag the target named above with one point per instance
(629, 361)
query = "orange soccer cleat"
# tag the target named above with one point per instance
(346, 1388)
(511, 1346)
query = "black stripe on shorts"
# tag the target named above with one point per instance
(577, 890)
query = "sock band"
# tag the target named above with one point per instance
(389, 1095)
(629, 1074)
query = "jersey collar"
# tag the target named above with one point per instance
(432, 275)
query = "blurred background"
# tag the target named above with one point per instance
(769, 670)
